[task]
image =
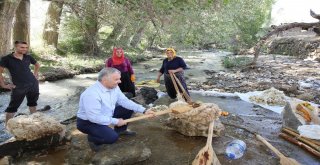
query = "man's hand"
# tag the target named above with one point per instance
(158, 80)
(8, 86)
(150, 112)
(121, 122)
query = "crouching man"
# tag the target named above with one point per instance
(103, 104)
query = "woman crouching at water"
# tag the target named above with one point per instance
(176, 65)
(120, 62)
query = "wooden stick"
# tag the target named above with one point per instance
(297, 133)
(302, 145)
(185, 94)
(276, 151)
(302, 139)
(147, 116)
(174, 84)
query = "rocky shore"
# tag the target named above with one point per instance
(296, 77)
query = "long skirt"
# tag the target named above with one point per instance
(169, 85)
(126, 84)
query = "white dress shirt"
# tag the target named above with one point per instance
(97, 104)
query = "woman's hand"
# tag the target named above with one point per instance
(172, 71)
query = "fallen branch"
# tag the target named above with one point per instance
(302, 145)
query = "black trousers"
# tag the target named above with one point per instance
(31, 91)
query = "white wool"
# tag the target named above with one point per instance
(34, 126)
(196, 121)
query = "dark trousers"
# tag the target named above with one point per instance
(31, 91)
(102, 134)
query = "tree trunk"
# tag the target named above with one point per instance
(112, 38)
(21, 27)
(137, 37)
(7, 11)
(90, 26)
(51, 27)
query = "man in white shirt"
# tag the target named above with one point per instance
(103, 104)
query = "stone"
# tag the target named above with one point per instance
(149, 94)
(289, 119)
(16, 148)
(125, 151)
(34, 126)
(196, 121)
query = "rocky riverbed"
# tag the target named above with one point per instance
(296, 77)
(156, 143)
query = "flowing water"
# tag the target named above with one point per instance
(63, 97)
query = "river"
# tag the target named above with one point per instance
(63, 97)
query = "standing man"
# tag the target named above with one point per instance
(25, 83)
(103, 104)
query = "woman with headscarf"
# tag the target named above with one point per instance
(176, 65)
(120, 62)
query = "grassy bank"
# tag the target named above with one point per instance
(57, 65)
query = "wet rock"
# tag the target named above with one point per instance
(145, 96)
(16, 148)
(149, 94)
(125, 151)
(289, 119)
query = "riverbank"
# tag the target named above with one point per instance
(295, 77)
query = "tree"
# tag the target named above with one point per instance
(51, 27)
(7, 11)
(280, 28)
(21, 27)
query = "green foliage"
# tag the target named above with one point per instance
(229, 62)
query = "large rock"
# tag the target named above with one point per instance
(16, 148)
(125, 151)
(146, 95)
(196, 121)
(34, 126)
(289, 118)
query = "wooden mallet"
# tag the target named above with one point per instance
(176, 110)
(283, 160)
(207, 156)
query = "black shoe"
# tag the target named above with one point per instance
(127, 133)
(94, 147)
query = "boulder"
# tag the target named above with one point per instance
(34, 126)
(125, 151)
(196, 121)
(16, 148)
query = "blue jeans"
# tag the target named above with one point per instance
(102, 134)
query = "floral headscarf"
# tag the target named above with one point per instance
(115, 59)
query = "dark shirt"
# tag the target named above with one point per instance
(175, 63)
(19, 69)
